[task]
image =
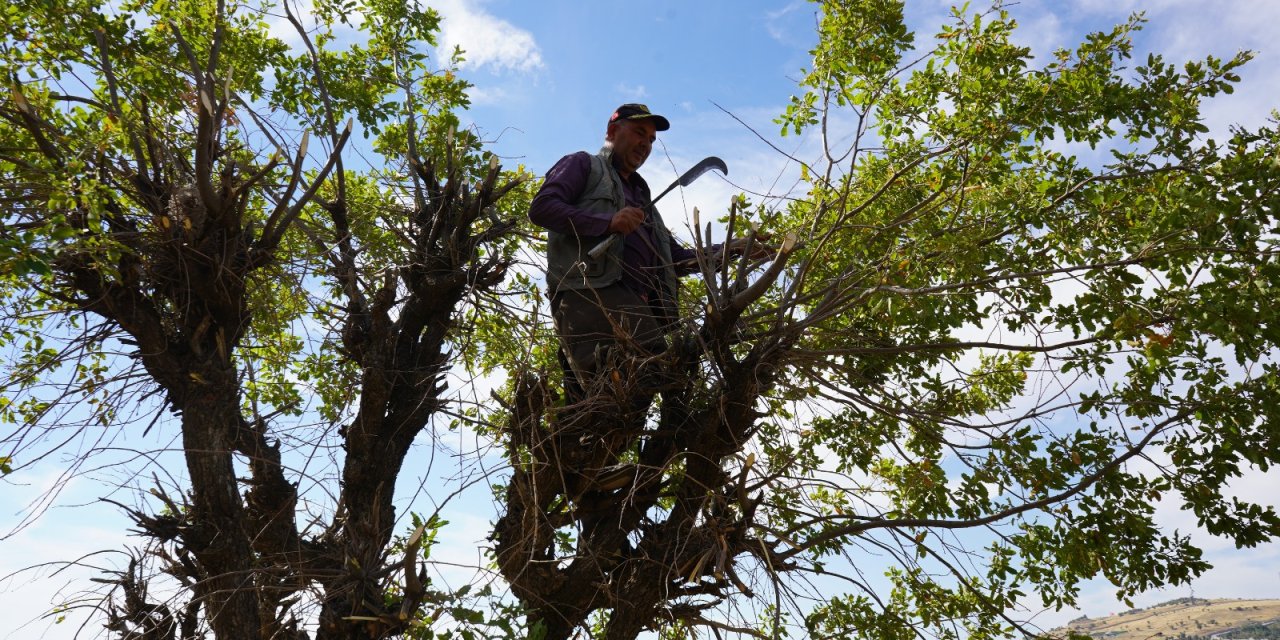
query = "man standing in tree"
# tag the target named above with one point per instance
(624, 300)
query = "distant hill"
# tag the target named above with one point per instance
(1186, 619)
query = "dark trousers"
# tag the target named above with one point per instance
(611, 347)
(611, 327)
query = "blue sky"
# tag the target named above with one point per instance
(677, 57)
(547, 74)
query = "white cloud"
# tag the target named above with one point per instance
(487, 95)
(631, 93)
(1040, 33)
(486, 41)
(783, 24)
(279, 26)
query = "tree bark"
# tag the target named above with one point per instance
(219, 541)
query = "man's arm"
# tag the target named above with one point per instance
(684, 258)
(552, 208)
(686, 262)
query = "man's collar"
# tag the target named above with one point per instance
(633, 179)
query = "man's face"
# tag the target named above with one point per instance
(632, 140)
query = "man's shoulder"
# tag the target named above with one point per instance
(582, 158)
(573, 166)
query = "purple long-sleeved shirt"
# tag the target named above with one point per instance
(553, 208)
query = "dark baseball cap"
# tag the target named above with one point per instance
(634, 111)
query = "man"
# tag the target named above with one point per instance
(614, 310)
(624, 302)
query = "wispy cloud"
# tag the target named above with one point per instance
(1041, 33)
(486, 95)
(487, 42)
(780, 24)
(631, 93)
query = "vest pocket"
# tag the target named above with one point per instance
(593, 267)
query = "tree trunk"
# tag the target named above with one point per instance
(220, 544)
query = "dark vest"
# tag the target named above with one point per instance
(568, 264)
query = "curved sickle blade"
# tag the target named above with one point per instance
(704, 165)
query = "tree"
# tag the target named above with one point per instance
(983, 367)
(977, 373)
(170, 236)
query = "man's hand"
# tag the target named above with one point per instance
(626, 220)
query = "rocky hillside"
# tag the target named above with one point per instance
(1186, 619)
